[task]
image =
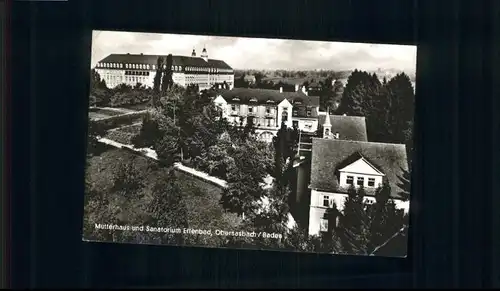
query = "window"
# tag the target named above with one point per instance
(327, 131)
(371, 182)
(323, 225)
(308, 112)
(360, 181)
(295, 124)
(154, 67)
(326, 201)
(268, 110)
(250, 109)
(233, 107)
(350, 180)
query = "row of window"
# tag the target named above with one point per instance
(251, 109)
(360, 181)
(153, 67)
(258, 121)
(126, 66)
(136, 73)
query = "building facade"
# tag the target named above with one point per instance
(337, 165)
(132, 69)
(269, 109)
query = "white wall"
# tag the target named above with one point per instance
(317, 210)
(285, 104)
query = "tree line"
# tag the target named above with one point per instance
(388, 107)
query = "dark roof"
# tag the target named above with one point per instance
(263, 95)
(330, 155)
(153, 59)
(348, 127)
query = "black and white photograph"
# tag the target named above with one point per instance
(249, 143)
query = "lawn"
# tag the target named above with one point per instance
(201, 198)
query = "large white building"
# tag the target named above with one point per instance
(131, 69)
(342, 157)
(269, 108)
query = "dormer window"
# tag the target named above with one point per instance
(253, 100)
(270, 101)
(235, 99)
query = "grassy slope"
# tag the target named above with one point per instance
(201, 198)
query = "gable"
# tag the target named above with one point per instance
(362, 166)
(286, 103)
(219, 100)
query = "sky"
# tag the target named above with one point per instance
(260, 53)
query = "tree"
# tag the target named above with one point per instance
(402, 107)
(167, 149)
(379, 119)
(96, 82)
(95, 131)
(127, 181)
(244, 191)
(159, 75)
(336, 95)
(355, 224)
(167, 209)
(405, 185)
(249, 128)
(99, 92)
(217, 159)
(358, 94)
(167, 81)
(148, 134)
(386, 218)
(157, 82)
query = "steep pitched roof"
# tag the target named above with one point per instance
(328, 156)
(263, 95)
(176, 60)
(348, 127)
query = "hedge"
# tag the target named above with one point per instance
(121, 120)
(120, 136)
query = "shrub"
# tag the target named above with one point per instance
(120, 136)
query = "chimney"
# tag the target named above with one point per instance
(296, 87)
(281, 89)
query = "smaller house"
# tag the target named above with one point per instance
(338, 164)
(341, 127)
